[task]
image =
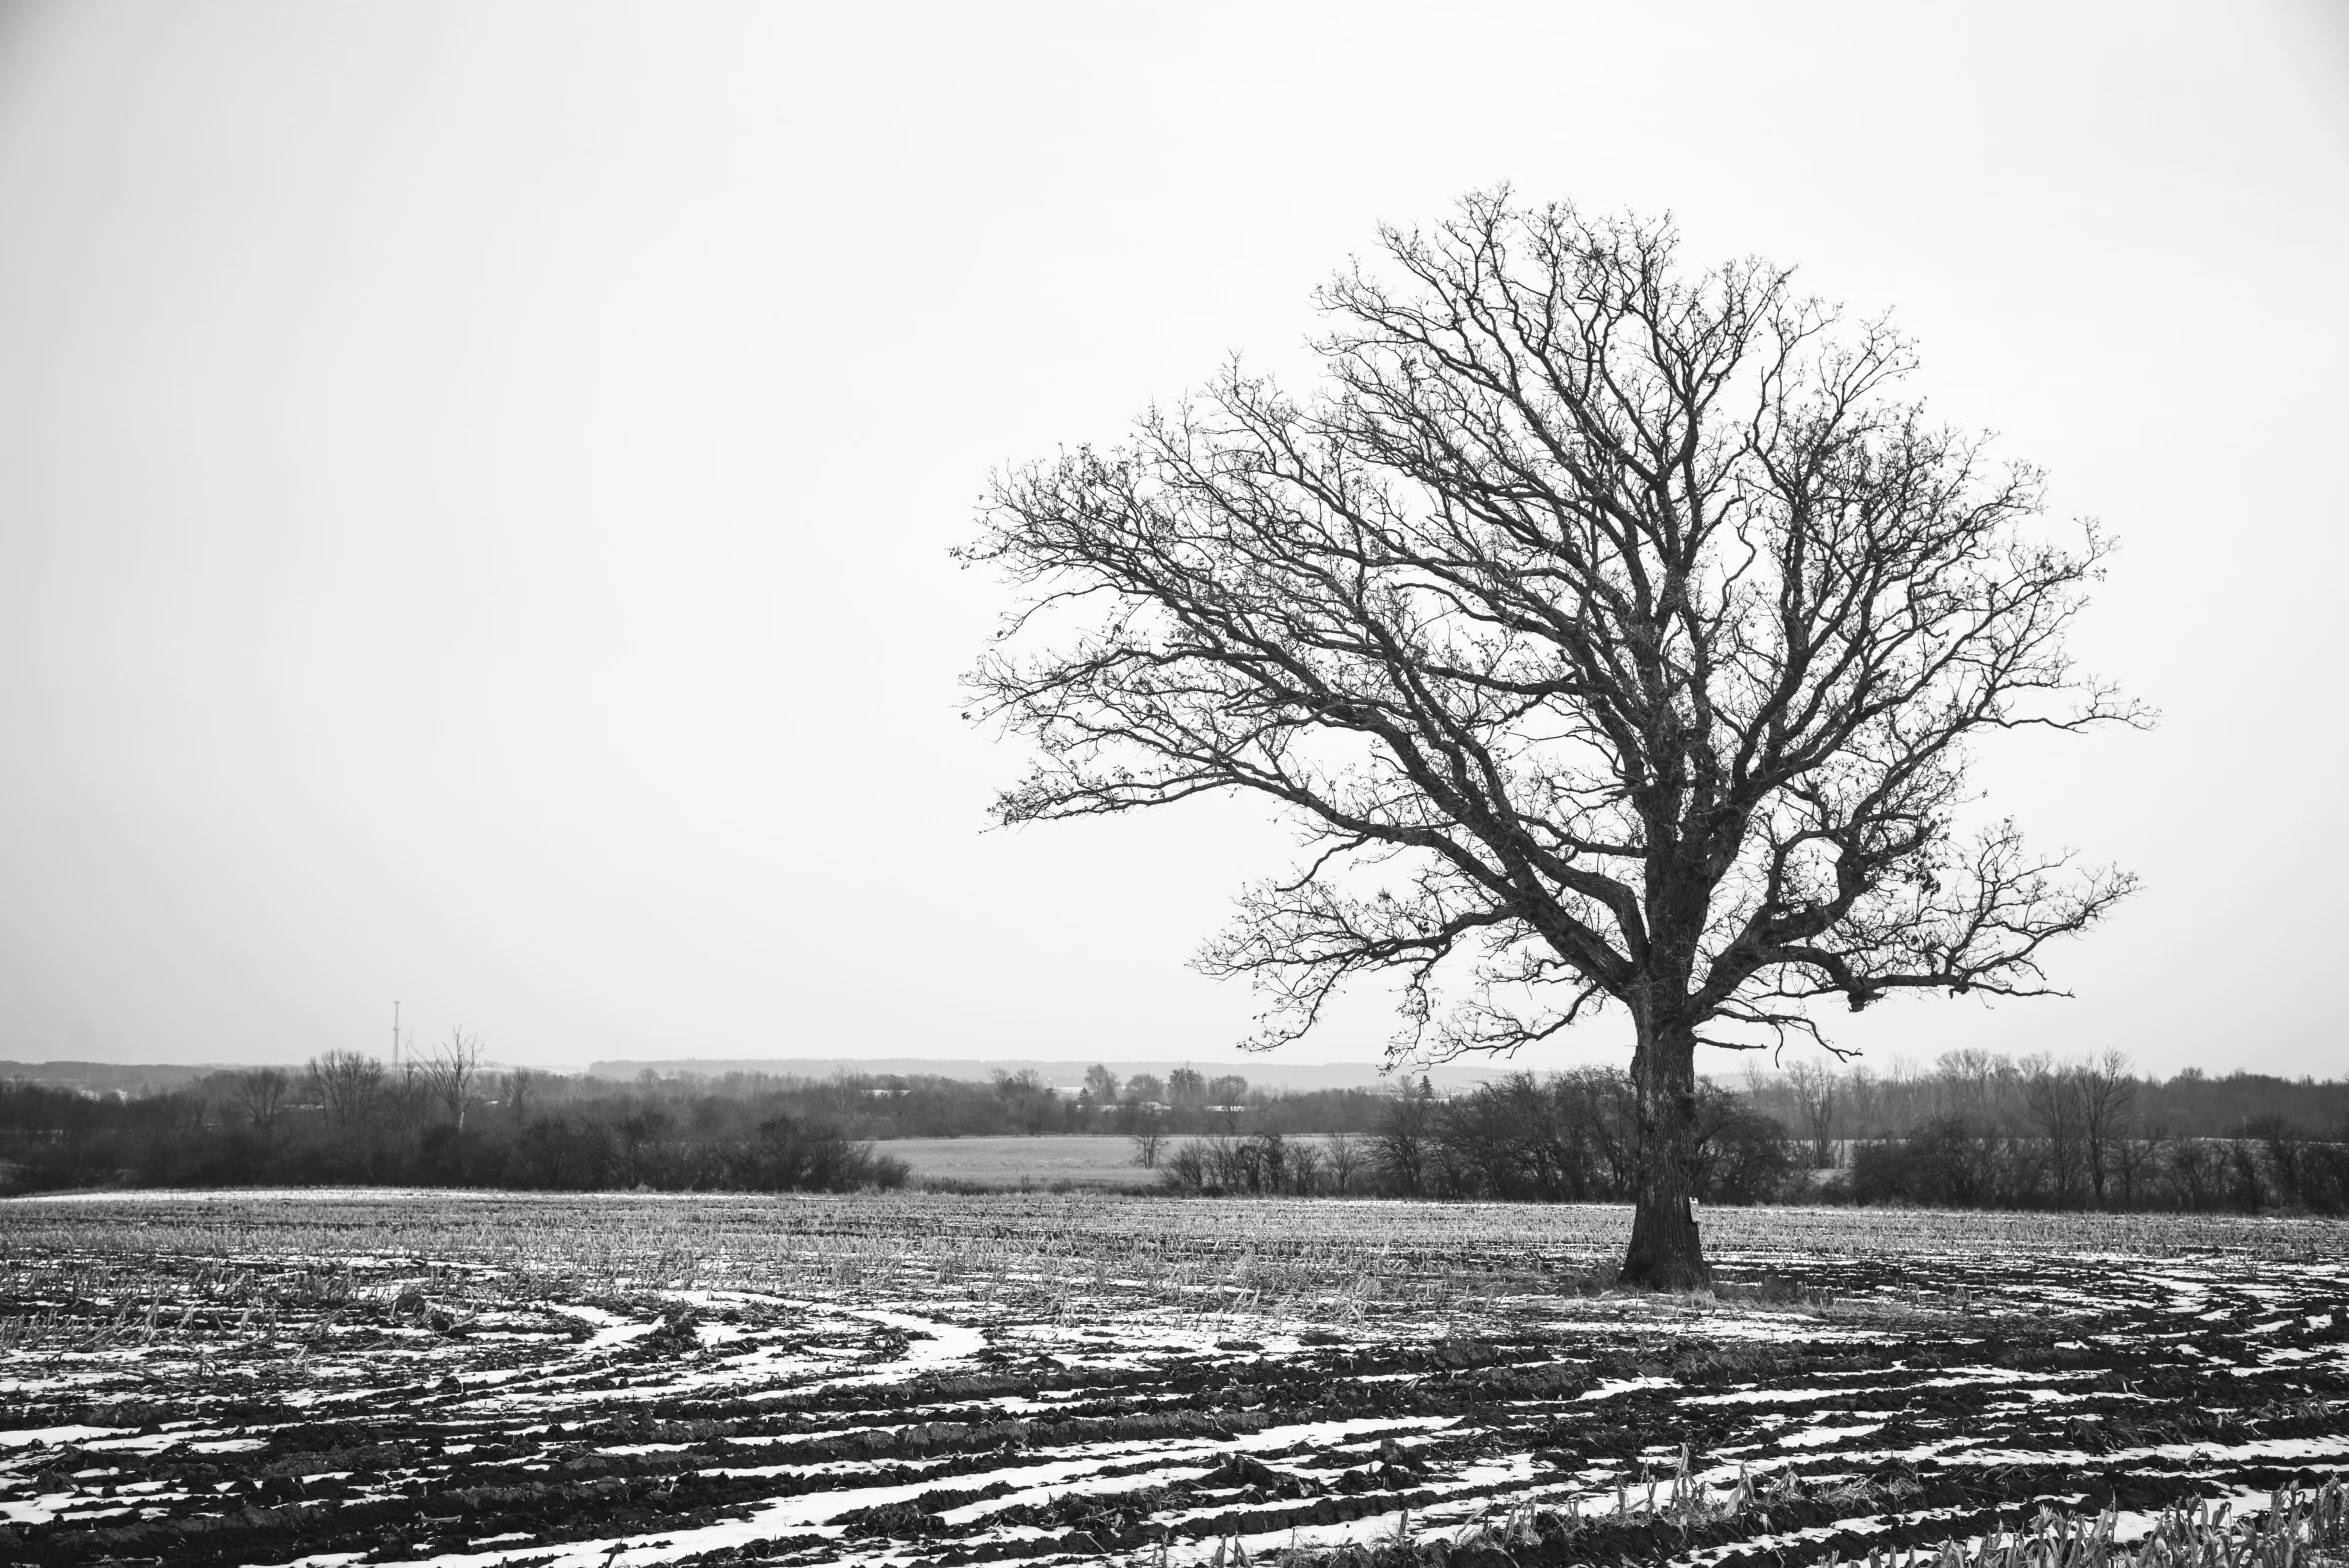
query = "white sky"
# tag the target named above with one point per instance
(475, 481)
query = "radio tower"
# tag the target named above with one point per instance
(395, 1036)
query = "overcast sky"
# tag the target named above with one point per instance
(475, 481)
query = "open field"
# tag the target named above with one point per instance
(325, 1378)
(1077, 1159)
(1070, 1159)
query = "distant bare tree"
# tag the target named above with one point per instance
(1862, 1095)
(186, 1109)
(348, 1085)
(2081, 1110)
(1814, 1102)
(1227, 1099)
(517, 1088)
(2051, 1097)
(1148, 1140)
(1272, 1162)
(1343, 1152)
(1305, 1160)
(1406, 1139)
(1028, 1096)
(1185, 1168)
(2136, 1159)
(1616, 636)
(261, 1092)
(1969, 1080)
(452, 1073)
(2193, 1166)
(2108, 1093)
(1600, 1104)
(1101, 1085)
(2287, 1147)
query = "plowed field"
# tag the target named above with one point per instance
(329, 1378)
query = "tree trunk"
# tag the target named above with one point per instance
(1666, 1252)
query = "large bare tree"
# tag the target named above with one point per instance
(1615, 634)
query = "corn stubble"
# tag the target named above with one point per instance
(923, 1378)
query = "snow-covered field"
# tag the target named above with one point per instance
(331, 1377)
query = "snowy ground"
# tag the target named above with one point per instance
(491, 1379)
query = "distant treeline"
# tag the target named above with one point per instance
(443, 1120)
(437, 1122)
(1568, 1138)
(1861, 1102)
(1978, 1130)
(1986, 1131)
(1183, 1101)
